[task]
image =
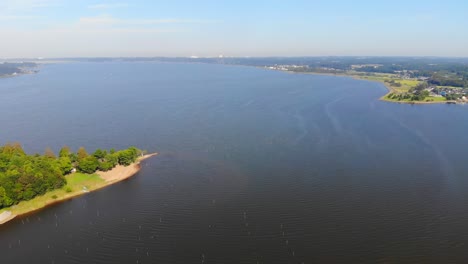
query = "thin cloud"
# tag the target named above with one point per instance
(68, 41)
(108, 20)
(11, 18)
(108, 6)
(25, 5)
(97, 20)
(19, 10)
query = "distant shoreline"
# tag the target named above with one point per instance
(115, 175)
(390, 89)
(362, 78)
(4, 76)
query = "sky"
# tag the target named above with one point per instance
(205, 28)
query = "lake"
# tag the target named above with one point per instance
(255, 166)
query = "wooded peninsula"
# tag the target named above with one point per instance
(31, 182)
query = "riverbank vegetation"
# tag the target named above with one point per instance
(77, 184)
(23, 176)
(445, 79)
(410, 90)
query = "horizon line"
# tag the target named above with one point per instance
(233, 57)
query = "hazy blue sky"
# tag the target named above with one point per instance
(67, 28)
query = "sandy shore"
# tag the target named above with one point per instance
(120, 172)
(117, 174)
(6, 216)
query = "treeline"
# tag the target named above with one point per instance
(417, 93)
(441, 71)
(393, 83)
(386, 68)
(449, 79)
(416, 96)
(23, 176)
(102, 160)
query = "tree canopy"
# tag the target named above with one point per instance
(23, 176)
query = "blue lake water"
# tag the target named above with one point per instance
(255, 166)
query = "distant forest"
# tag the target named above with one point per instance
(23, 176)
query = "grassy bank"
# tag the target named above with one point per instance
(77, 184)
(392, 82)
(427, 100)
(389, 81)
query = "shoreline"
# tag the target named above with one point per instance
(117, 174)
(383, 97)
(5, 76)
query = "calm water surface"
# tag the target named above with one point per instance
(256, 166)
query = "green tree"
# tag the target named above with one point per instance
(82, 153)
(65, 151)
(88, 165)
(128, 156)
(99, 153)
(65, 165)
(105, 166)
(4, 199)
(113, 159)
(425, 94)
(49, 153)
(22, 176)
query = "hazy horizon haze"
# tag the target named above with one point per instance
(62, 28)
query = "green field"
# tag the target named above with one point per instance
(406, 85)
(385, 78)
(437, 99)
(77, 180)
